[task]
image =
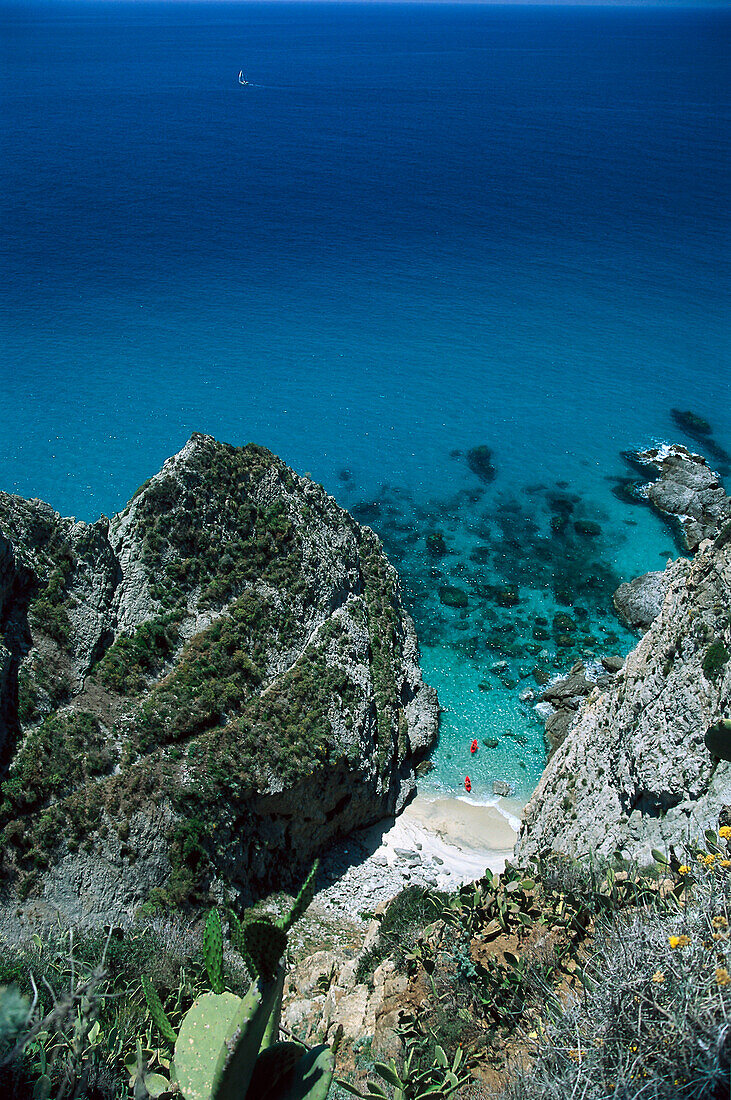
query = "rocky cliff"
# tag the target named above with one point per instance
(199, 694)
(633, 771)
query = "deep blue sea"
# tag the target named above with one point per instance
(420, 229)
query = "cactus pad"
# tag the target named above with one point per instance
(311, 1077)
(303, 899)
(200, 1050)
(244, 1041)
(272, 1066)
(213, 950)
(265, 944)
(157, 1012)
(14, 1011)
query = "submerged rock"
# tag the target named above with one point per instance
(563, 623)
(436, 545)
(691, 422)
(508, 596)
(699, 429)
(198, 694)
(587, 528)
(452, 596)
(367, 511)
(479, 460)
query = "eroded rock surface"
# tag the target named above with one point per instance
(199, 694)
(639, 602)
(633, 771)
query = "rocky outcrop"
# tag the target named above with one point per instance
(686, 492)
(633, 771)
(324, 994)
(199, 694)
(639, 602)
(564, 697)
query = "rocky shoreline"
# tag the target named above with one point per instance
(630, 770)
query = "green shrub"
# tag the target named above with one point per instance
(65, 752)
(401, 924)
(132, 659)
(715, 660)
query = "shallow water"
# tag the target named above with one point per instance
(424, 228)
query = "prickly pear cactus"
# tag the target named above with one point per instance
(220, 1039)
(200, 1049)
(272, 1066)
(245, 1041)
(303, 899)
(157, 1012)
(213, 950)
(311, 1078)
(265, 944)
(718, 739)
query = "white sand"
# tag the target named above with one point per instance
(466, 835)
(435, 842)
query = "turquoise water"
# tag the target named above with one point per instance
(422, 229)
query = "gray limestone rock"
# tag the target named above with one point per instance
(686, 492)
(633, 770)
(225, 675)
(639, 602)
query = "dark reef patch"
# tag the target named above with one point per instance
(524, 577)
(479, 460)
(697, 428)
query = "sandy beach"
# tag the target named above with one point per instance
(466, 835)
(439, 843)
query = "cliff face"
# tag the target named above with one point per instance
(633, 771)
(198, 695)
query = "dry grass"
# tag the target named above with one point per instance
(654, 1020)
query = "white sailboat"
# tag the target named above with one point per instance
(242, 79)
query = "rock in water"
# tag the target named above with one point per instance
(633, 770)
(687, 493)
(198, 695)
(479, 460)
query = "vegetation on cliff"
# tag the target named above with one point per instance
(593, 979)
(231, 640)
(590, 978)
(111, 1034)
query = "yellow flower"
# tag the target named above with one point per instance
(725, 832)
(722, 976)
(709, 860)
(724, 863)
(658, 977)
(684, 870)
(720, 921)
(678, 941)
